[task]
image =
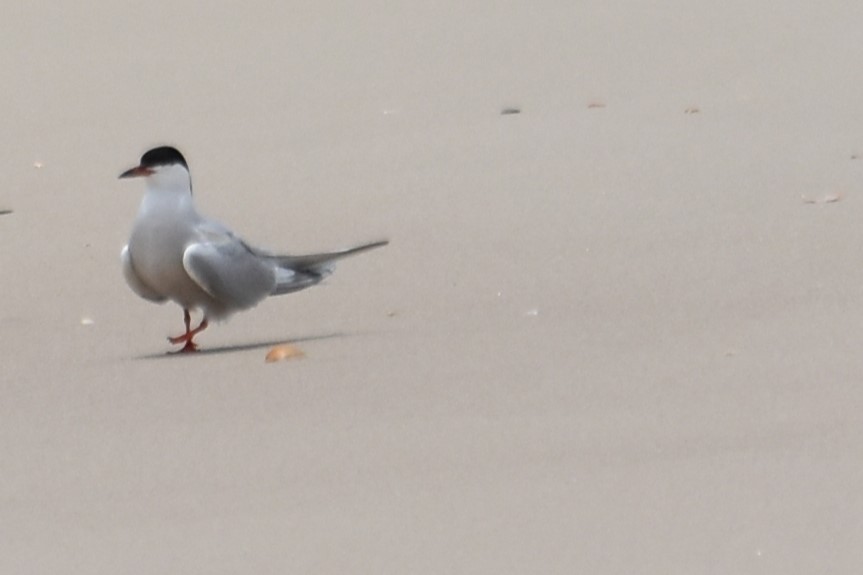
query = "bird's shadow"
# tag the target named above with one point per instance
(240, 347)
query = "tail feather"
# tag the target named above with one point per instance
(313, 261)
(299, 272)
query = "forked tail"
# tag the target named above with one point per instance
(299, 272)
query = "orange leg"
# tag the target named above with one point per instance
(190, 333)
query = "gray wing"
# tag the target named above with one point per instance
(323, 261)
(229, 271)
(295, 273)
(138, 286)
(289, 281)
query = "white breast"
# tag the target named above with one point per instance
(162, 230)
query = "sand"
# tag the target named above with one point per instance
(610, 335)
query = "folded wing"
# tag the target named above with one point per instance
(299, 272)
(230, 271)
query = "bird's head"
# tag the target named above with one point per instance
(164, 167)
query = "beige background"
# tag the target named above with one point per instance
(603, 340)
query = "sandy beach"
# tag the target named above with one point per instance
(617, 330)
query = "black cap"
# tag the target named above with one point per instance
(163, 156)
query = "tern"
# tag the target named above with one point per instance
(174, 253)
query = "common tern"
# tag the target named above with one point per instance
(174, 253)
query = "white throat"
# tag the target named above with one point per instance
(173, 178)
(168, 188)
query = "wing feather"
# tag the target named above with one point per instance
(322, 260)
(230, 272)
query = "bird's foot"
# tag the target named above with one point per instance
(190, 333)
(190, 346)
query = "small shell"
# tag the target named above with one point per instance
(284, 351)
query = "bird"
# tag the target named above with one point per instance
(176, 254)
